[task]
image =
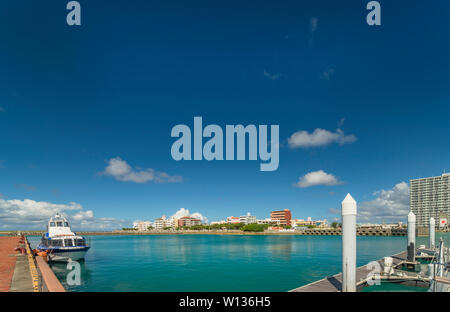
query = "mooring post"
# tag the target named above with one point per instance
(348, 244)
(432, 231)
(441, 258)
(411, 251)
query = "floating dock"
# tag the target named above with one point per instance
(21, 271)
(334, 283)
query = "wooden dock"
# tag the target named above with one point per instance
(334, 283)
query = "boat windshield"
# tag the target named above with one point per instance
(52, 223)
(66, 224)
(56, 242)
(80, 242)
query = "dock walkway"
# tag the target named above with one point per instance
(7, 261)
(21, 271)
(334, 283)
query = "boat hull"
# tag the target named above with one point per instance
(64, 255)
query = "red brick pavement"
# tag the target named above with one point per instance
(7, 264)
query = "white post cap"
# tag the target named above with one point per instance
(411, 217)
(348, 206)
(431, 220)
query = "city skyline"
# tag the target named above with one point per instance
(86, 113)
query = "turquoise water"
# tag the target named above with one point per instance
(393, 287)
(217, 262)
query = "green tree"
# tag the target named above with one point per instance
(254, 227)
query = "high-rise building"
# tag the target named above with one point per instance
(429, 197)
(283, 215)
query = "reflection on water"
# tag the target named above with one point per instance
(61, 271)
(217, 262)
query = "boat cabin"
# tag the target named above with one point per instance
(59, 234)
(77, 241)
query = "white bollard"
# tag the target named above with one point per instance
(432, 231)
(441, 257)
(348, 244)
(411, 249)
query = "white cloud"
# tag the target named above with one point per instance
(271, 76)
(182, 212)
(33, 215)
(122, 171)
(319, 137)
(389, 205)
(319, 177)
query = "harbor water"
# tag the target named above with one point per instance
(217, 262)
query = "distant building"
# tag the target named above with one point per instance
(428, 197)
(284, 216)
(443, 220)
(268, 221)
(142, 225)
(308, 222)
(162, 223)
(248, 219)
(232, 219)
(188, 221)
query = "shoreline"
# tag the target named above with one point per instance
(309, 232)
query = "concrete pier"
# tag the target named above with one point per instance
(21, 271)
(8, 258)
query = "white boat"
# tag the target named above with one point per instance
(60, 243)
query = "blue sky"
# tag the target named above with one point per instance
(73, 98)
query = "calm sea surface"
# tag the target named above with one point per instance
(218, 262)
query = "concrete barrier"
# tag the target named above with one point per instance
(51, 281)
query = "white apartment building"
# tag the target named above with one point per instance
(142, 225)
(268, 221)
(429, 197)
(248, 219)
(163, 222)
